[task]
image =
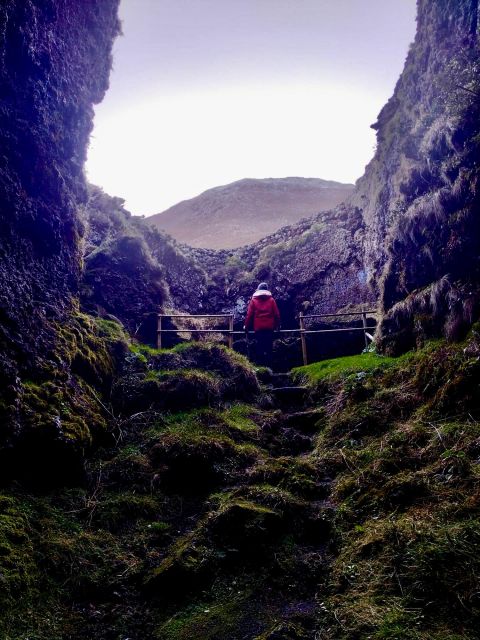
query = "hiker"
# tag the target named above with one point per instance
(263, 315)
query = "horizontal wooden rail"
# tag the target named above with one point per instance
(196, 331)
(337, 315)
(242, 333)
(334, 330)
(179, 315)
(302, 331)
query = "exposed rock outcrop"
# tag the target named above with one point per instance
(314, 266)
(133, 271)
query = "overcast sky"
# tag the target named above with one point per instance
(205, 92)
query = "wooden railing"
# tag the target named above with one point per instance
(230, 332)
(302, 330)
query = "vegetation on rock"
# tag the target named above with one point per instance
(402, 444)
(131, 270)
(173, 494)
(210, 522)
(51, 76)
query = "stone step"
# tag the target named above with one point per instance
(281, 379)
(289, 396)
(305, 421)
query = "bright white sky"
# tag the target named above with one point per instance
(205, 92)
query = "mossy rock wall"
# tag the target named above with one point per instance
(420, 194)
(132, 271)
(56, 415)
(55, 57)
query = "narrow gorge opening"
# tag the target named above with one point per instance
(293, 233)
(182, 492)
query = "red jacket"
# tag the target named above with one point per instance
(263, 313)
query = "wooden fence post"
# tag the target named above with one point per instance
(365, 327)
(230, 335)
(159, 332)
(303, 339)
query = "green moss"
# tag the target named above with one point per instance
(234, 369)
(63, 401)
(206, 620)
(175, 389)
(242, 418)
(72, 409)
(50, 557)
(89, 561)
(120, 510)
(443, 562)
(111, 330)
(190, 375)
(188, 560)
(237, 523)
(249, 507)
(338, 367)
(90, 346)
(186, 445)
(130, 468)
(399, 625)
(244, 520)
(285, 631)
(286, 472)
(406, 480)
(159, 528)
(143, 351)
(201, 503)
(18, 571)
(397, 575)
(236, 422)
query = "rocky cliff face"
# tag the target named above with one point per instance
(420, 194)
(55, 58)
(54, 65)
(314, 266)
(132, 271)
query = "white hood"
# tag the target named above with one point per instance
(262, 292)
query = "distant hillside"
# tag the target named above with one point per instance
(243, 212)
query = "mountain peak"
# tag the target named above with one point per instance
(242, 212)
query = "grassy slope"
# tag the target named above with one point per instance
(402, 441)
(328, 369)
(191, 525)
(201, 523)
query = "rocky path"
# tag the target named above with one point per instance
(300, 416)
(294, 439)
(216, 513)
(272, 529)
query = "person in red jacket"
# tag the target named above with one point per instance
(263, 315)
